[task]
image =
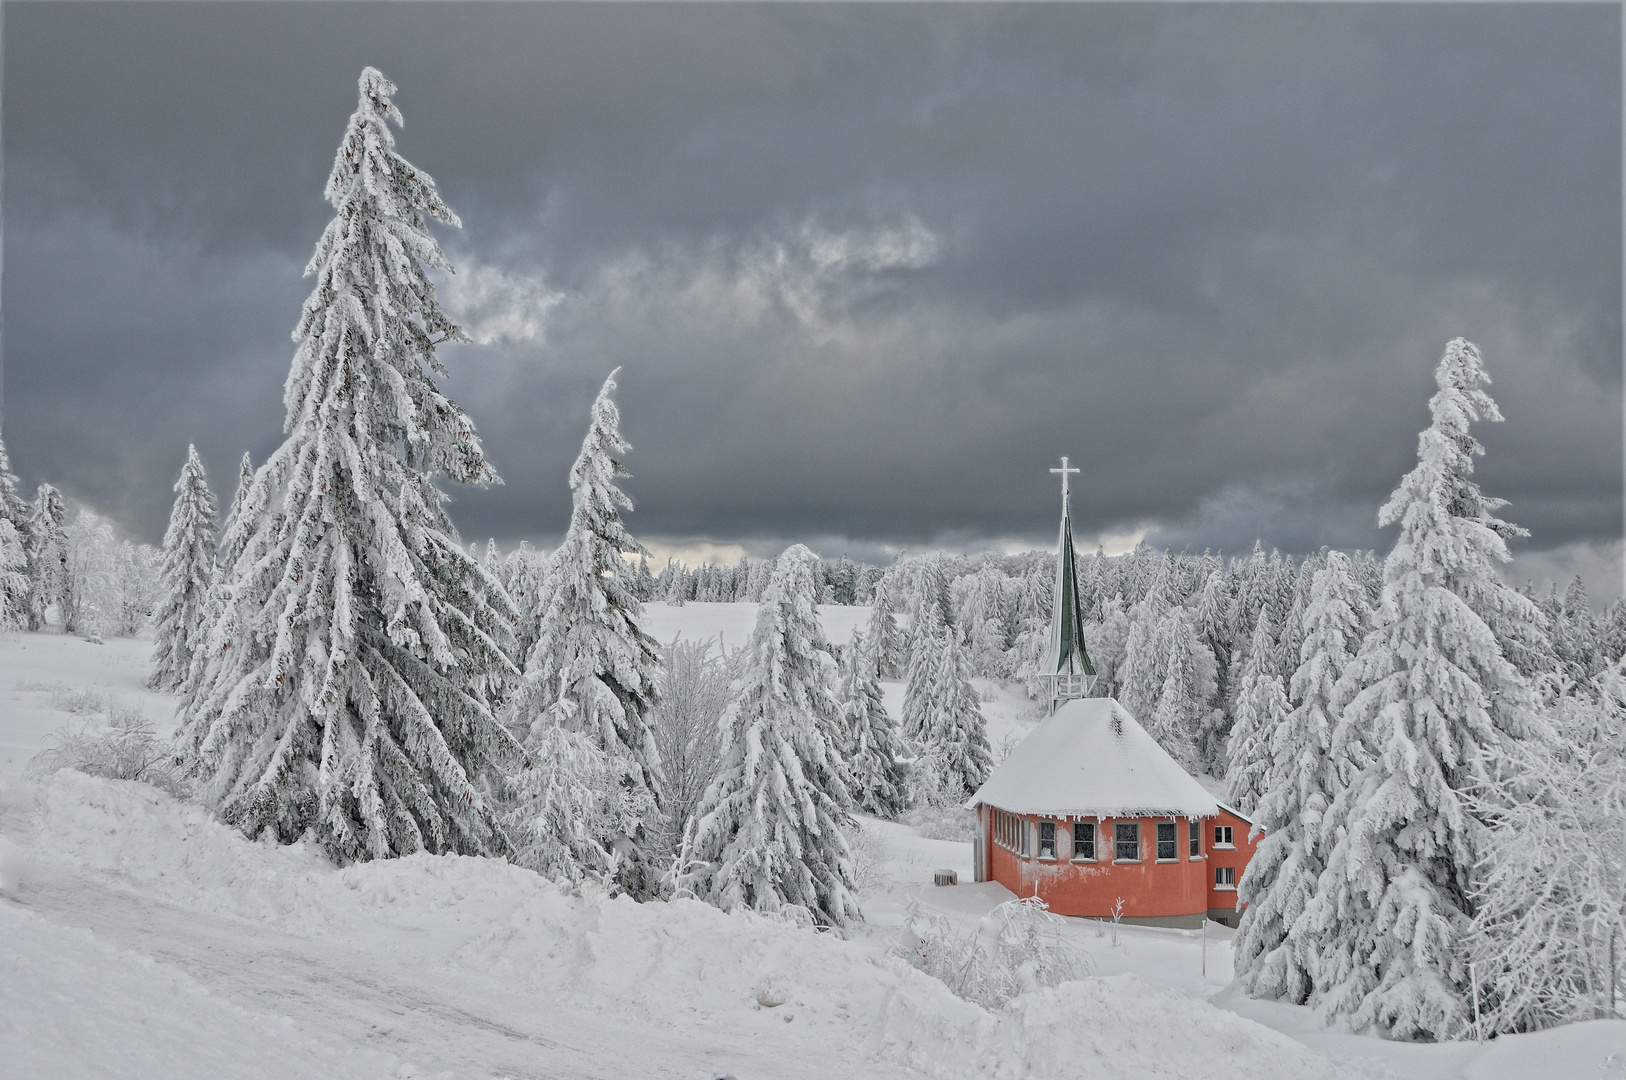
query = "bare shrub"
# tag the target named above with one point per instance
(868, 850)
(694, 685)
(77, 702)
(115, 741)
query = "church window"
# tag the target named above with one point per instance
(1127, 835)
(1084, 840)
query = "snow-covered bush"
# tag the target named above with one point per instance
(566, 801)
(944, 823)
(1016, 948)
(107, 739)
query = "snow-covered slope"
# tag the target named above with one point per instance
(482, 969)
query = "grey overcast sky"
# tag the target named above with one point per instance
(868, 269)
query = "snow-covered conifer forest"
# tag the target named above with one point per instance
(326, 787)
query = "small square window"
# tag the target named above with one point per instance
(1165, 840)
(1224, 877)
(1127, 834)
(1196, 839)
(1084, 840)
(1222, 836)
(1047, 839)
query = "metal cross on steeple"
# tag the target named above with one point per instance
(1064, 470)
(1067, 668)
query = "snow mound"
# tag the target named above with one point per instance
(685, 969)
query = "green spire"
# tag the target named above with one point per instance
(1068, 660)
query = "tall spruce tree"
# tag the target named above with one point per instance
(593, 668)
(1435, 697)
(47, 550)
(353, 668)
(14, 569)
(885, 637)
(1182, 715)
(923, 677)
(767, 834)
(187, 576)
(875, 778)
(1261, 710)
(1275, 952)
(954, 757)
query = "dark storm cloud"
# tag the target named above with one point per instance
(869, 269)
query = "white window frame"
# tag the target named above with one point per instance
(1225, 879)
(1223, 844)
(1194, 839)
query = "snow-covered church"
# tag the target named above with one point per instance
(1089, 812)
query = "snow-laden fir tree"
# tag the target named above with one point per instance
(593, 669)
(931, 605)
(1183, 714)
(875, 779)
(1275, 952)
(14, 569)
(353, 668)
(1575, 635)
(1550, 924)
(187, 576)
(47, 543)
(228, 546)
(14, 582)
(886, 638)
(227, 556)
(922, 677)
(1261, 709)
(1396, 900)
(953, 756)
(767, 835)
(982, 618)
(571, 805)
(1033, 629)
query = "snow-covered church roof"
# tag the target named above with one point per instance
(1090, 758)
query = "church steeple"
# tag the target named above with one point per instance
(1067, 669)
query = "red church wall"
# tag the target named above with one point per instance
(1222, 902)
(1151, 889)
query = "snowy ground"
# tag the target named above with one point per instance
(41, 675)
(138, 938)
